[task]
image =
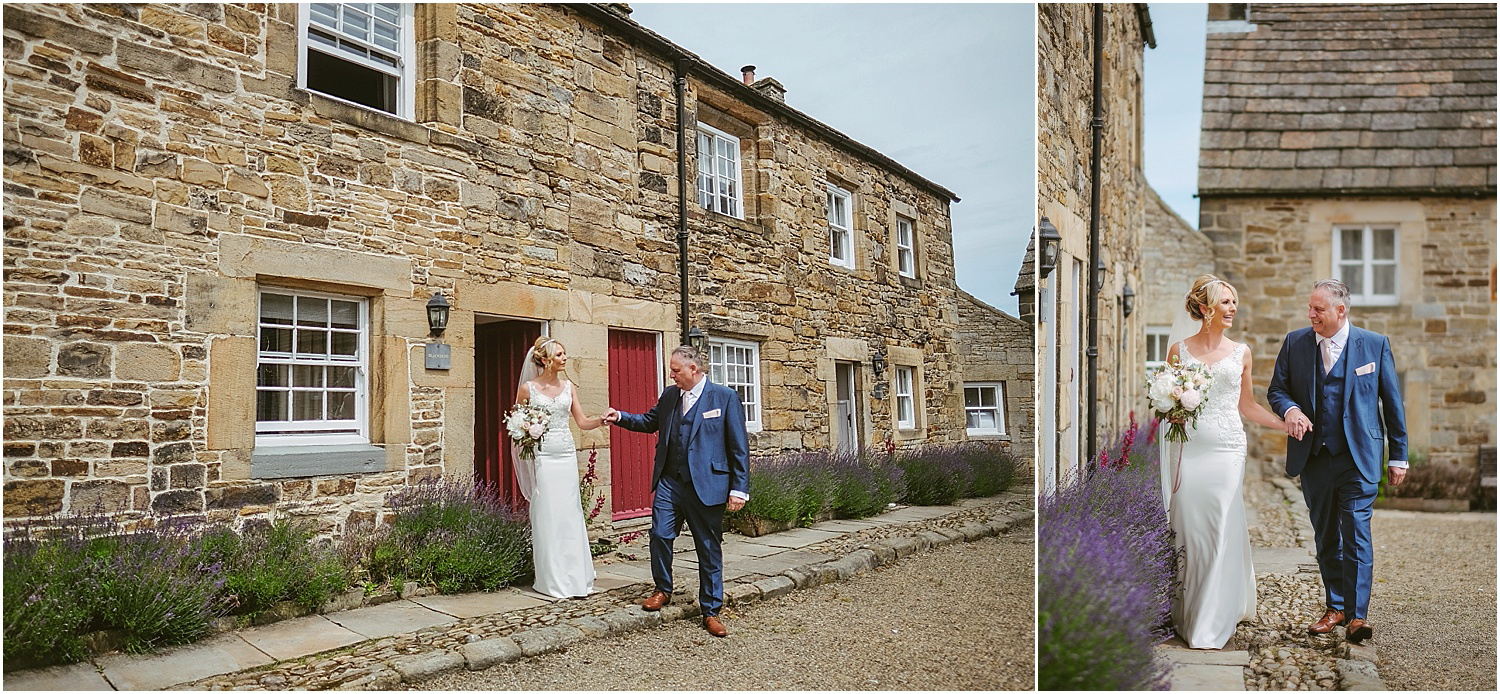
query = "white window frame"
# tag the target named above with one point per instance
(999, 408)
(712, 183)
(1367, 263)
(1163, 333)
(404, 71)
(845, 226)
(906, 249)
(321, 432)
(749, 386)
(906, 379)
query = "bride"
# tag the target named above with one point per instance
(1203, 486)
(559, 540)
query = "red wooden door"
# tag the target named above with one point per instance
(634, 385)
(498, 350)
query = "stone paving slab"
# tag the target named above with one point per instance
(390, 619)
(745, 548)
(531, 592)
(216, 656)
(1201, 657)
(1282, 560)
(294, 638)
(78, 677)
(1211, 678)
(469, 605)
(604, 581)
(795, 538)
(845, 525)
(918, 513)
(638, 570)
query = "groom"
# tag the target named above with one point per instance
(1334, 385)
(702, 469)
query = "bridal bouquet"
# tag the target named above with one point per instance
(1178, 392)
(526, 424)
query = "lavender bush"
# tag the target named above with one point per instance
(992, 469)
(454, 534)
(83, 574)
(1106, 575)
(935, 475)
(267, 563)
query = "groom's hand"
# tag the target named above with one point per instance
(734, 504)
(611, 415)
(1398, 474)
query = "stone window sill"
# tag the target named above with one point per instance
(273, 462)
(910, 282)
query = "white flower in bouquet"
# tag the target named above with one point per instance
(1178, 393)
(527, 424)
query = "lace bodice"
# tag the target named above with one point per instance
(1221, 412)
(558, 409)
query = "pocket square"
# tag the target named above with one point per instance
(1367, 368)
(711, 413)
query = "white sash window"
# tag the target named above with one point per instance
(906, 259)
(719, 171)
(310, 383)
(984, 408)
(906, 411)
(1365, 260)
(358, 52)
(840, 227)
(736, 364)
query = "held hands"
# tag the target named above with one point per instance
(610, 416)
(1297, 425)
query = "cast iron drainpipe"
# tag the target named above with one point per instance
(1097, 125)
(680, 67)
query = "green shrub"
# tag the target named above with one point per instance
(992, 469)
(934, 475)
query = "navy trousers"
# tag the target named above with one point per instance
(676, 502)
(1340, 503)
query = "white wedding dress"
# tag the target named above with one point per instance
(559, 540)
(1208, 514)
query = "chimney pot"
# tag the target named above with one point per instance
(747, 74)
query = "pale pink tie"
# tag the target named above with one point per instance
(1327, 355)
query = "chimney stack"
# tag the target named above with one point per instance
(747, 74)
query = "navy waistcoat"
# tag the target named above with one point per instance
(1330, 422)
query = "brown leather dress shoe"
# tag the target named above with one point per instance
(715, 627)
(656, 601)
(1330, 620)
(1359, 630)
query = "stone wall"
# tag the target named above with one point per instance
(1442, 330)
(994, 346)
(161, 165)
(1176, 254)
(1064, 112)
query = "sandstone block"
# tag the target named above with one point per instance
(117, 205)
(84, 360)
(592, 627)
(147, 362)
(107, 496)
(235, 497)
(490, 652)
(179, 501)
(743, 593)
(32, 497)
(27, 357)
(202, 173)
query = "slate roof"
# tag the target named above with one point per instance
(1353, 99)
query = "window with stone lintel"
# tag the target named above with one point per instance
(840, 227)
(311, 366)
(719, 188)
(1365, 260)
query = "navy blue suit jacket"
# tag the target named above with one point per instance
(718, 447)
(1371, 396)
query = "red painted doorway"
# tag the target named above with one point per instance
(635, 370)
(499, 347)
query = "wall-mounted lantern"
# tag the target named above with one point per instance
(1099, 275)
(437, 313)
(696, 339)
(1127, 300)
(1050, 241)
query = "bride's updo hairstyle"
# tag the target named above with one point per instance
(543, 350)
(1206, 293)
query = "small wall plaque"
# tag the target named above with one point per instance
(438, 356)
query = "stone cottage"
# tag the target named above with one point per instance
(1091, 195)
(1358, 142)
(995, 357)
(226, 225)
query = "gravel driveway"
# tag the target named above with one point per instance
(957, 617)
(1433, 605)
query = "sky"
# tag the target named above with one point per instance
(1174, 104)
(945, 90)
